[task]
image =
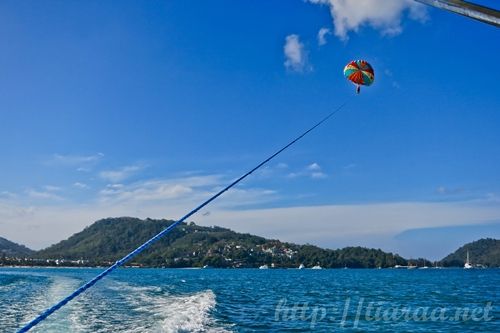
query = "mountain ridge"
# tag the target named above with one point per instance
(11, 249)
(191, 245)
(484, 252)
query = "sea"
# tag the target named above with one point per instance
(253, 300)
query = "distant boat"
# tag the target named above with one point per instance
(317, 267)
(410, 266)
(468, 265)
(302, 266)
(264, 267)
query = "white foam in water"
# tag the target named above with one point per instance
(172, 313)
(58, 288)
(188, 313)
(120, 307)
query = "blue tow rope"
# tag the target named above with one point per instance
(162, 233)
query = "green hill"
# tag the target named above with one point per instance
(190, 245)
(483, 252)
(11, 249)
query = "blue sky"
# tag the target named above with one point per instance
(146, 108)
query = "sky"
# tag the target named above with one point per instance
(147, 108)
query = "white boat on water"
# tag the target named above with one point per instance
(467, 264)
(264, 267)
(317, 267)
(410, 266)
(302, 266)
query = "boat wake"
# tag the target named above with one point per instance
(153, 310)
(54, 290)
(112, 306)
(189, 313)
(134, 309)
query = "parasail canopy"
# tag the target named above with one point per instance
(359, 72)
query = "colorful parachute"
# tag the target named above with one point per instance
(359, 72)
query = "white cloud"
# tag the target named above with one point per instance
(371, 225)
(188, 188)
(296, 58)
(145, 191)
(316, 172)
(441, 190)
(51, 188)
(46, 195)
(313, 171)
(322, 36)
(238, 197)
(80, 185)
(169, 198)
(383, 15)
(183, 192)
(449, 191)
(120, 174)
(318, 175)
(313, 167)
(493, 197)
(270, 171)
(74, 160)
(7, 194)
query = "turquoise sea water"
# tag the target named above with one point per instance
(244, 300)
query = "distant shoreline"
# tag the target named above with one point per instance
(246, 268)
